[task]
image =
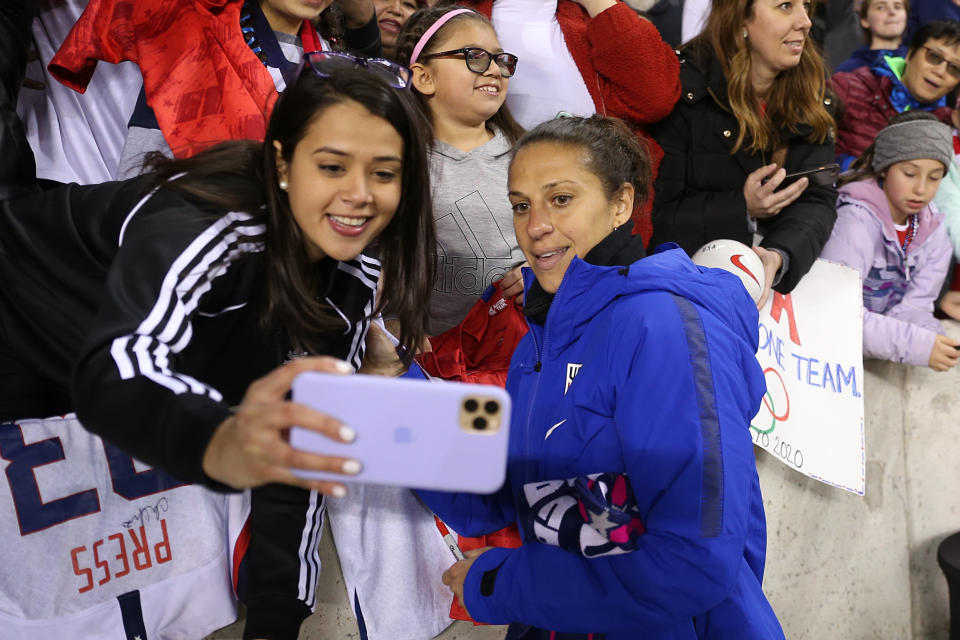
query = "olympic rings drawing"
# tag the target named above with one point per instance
(768, 402)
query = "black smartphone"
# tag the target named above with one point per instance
(825, 176)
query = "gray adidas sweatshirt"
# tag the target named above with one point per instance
(476, 243)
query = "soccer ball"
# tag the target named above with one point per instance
(738, 259)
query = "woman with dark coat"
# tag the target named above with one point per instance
(752, 110)
(172, 311)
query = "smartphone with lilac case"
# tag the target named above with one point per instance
(449, 436)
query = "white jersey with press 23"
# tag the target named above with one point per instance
(98, 545)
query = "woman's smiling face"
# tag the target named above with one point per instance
(343, 180)
(560, 208)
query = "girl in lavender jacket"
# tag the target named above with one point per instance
(887, 230)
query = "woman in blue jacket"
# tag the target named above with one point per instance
(631, 471)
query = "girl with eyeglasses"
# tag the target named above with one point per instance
(172, 311)
(461, 76)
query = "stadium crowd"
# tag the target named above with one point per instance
(202, 199)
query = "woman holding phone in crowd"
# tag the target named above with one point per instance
(176, 298)
(752, 110)
(630, 472)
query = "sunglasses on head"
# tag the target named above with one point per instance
(935, 58)
(326, 63)
(478, 60)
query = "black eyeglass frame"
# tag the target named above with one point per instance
(397, 75)
(503, 59)
(936, 58)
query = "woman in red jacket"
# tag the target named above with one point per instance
(620, 65)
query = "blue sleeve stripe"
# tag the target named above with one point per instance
(711, 507)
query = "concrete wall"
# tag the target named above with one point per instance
(837, 563)
(839, 566)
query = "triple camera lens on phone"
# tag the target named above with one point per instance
(480, 414)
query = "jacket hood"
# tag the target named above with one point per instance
(496, 147)
(874, 199)
(587, 289)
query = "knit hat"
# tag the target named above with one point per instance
(911, 140)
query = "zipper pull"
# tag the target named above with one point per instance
(538, 366)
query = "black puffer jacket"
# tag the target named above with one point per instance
(699, 191)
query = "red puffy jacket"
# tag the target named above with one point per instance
(204, 83)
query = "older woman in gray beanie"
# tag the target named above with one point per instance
(888, 232)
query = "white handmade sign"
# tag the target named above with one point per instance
(811, 418)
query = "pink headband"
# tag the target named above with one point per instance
(425, 38)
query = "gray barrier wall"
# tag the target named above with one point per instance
(839, 566)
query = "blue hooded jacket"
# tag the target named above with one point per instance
(646, 372)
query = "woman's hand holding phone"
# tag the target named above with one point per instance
(761, 194)
(250, 448)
